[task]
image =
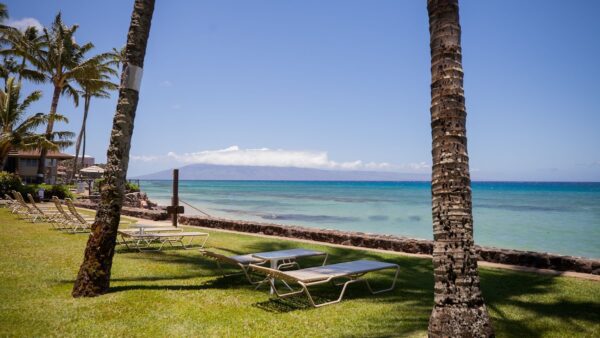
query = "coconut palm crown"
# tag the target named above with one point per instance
(61, 61)
(99, 87)
(17, 129)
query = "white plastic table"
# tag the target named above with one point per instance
(287, 257)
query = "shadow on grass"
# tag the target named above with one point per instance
(413, 296)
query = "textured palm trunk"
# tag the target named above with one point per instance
(83, 147)
(86, 108)
(459, 310)
(94, 274)
(41, 171)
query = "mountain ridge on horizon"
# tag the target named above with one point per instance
(273, 173)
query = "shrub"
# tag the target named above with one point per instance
(29, 189)
(8, 183)
(98, 184)
(61, 191)
(132, 187)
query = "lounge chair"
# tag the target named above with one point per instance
(351, 271)
(11, 203)
(5, 203)
(80, 224)
(24, 211)
(45, 214)
(241, 261)
(125, 235)
(66, 221)
(143, 242)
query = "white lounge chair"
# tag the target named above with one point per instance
(352, 272)
(24, 211)
(143, 242)
(65, 221)
(241, 261)
(11, 203)
(80, 223)
(46, 215)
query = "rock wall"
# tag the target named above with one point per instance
(401, 244)
(139, 200)
(155, 215)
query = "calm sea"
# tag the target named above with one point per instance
(561, 218)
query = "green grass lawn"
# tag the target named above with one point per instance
(178, 293)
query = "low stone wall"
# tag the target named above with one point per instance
(155, 215)
(402, 244)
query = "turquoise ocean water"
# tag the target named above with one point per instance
(561, 218)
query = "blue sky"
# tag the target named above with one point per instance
(345, 84)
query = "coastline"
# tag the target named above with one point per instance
(361, 240)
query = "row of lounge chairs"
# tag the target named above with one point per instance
(284, 266)
(340, 274)
(154, 238)
(142, 238)
(60, 219)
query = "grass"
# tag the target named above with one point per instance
(178, 293)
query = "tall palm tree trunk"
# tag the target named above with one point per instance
(86, 108)
(459, 310)
(94, 274)
(83, 147)
(41, 171)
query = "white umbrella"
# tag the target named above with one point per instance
(92, 170)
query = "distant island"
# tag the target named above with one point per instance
(270, 173)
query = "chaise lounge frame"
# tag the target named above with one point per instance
(241, 261)
(352, 272)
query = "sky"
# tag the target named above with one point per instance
(343, 84)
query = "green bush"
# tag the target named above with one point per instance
(8, 183)
(59, 190)
(131, 187)
(29, 189)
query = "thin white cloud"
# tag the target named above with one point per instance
(176, 106)
(22, 24)
(167, 83)
(144, 158)
(235, 155)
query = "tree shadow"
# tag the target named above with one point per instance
(502, 290)
(508, 289)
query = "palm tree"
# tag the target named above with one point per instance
(23, 44)
(459, 309)
(98, 87)
(61, 62)
(18, 130)
(93, 278)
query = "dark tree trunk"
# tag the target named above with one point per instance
(41, 171)
(459, 310)
(83, 147)
(94, 274)
(86, 108)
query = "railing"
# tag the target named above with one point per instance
(193, 207)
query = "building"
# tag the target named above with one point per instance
(25, 164)
(88, 161)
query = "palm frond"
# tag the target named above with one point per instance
(72, 92)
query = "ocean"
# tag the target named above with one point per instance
(561, 218)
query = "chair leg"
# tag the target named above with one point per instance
(287, 294)
(374, 292)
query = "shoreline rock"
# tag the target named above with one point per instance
(540, 260)
(155, 215)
